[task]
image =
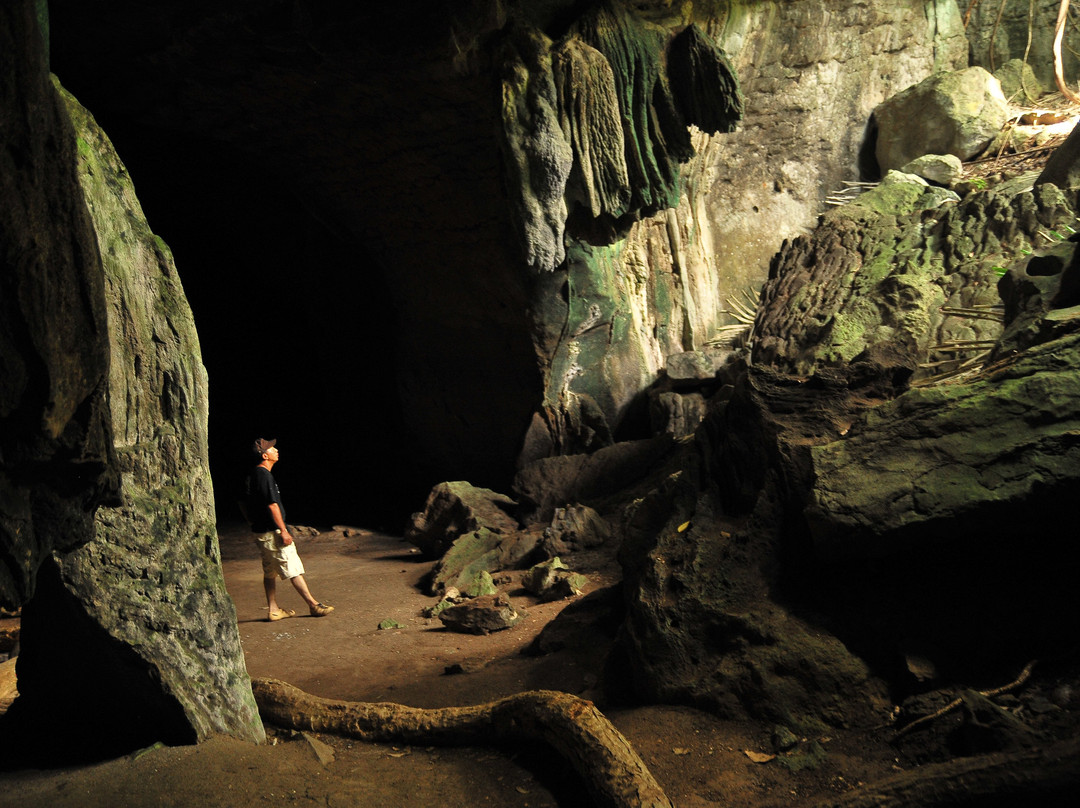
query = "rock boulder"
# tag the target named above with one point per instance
(482, 615)
(955, 113)
(140, 615)
(456, 508)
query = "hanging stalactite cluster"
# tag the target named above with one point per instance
(596, 125)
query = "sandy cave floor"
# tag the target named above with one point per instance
(698, 759)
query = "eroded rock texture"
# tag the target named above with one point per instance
(877, 491)
(56, 454)
(900, 290)
(133, 638)
(446, 146)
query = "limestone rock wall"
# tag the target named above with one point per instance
(55, 432)
(156, 554)
(131, 637)
(810, 75)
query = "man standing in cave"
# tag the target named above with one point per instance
(266, 514)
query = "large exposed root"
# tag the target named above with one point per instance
(614, 773)
(1045, 777)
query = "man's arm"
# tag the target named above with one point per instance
(275, 514)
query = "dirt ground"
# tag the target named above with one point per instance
(698, 759)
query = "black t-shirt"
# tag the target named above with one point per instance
(262, 490)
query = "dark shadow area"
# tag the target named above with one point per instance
(83, 696)
(979, 601)
(296, 332)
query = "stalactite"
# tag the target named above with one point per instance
(589, 111)
(622, 123)
(655, 140)
(704, 84)
(537, 156)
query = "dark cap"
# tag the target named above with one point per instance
(262, 446)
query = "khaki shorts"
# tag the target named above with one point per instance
(280, 560)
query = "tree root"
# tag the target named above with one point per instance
(615, 774)
(1049, 776)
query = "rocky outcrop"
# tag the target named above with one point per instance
(954, 454)
(957, 113)
(56, 455)
(700, 627)
(919, 299)
(593, 480)
(132, 638)
(156, 554)
(441, 159)
(627, 301)
(576, 527)
(878, 492)
(455, 508)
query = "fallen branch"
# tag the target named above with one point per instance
(952, 705)
(610, 766)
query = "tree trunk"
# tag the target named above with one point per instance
(614, 773)
(1059, 70)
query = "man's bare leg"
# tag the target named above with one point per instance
(302, 588)
(270, 585)
(317, 609)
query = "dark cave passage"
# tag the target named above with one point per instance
(296, 332)
(386, 354)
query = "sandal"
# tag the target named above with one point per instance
(281, 615)
(321, 610)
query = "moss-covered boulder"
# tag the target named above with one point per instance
(453, 509)
(481, 552)
(553, 580)
(950, 452)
